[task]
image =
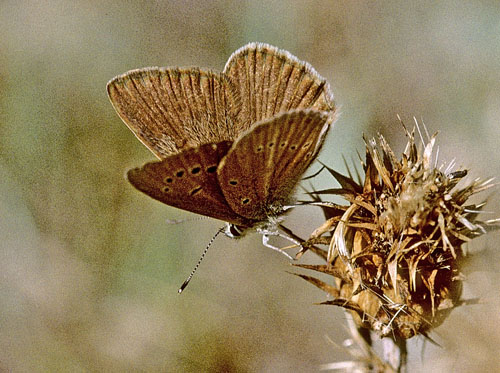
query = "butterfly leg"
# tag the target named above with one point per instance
(265, 242)
(291, 239)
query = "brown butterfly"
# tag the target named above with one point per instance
(232, 145)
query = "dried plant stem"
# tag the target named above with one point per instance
(395, 353)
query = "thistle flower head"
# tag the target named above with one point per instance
(397, 248)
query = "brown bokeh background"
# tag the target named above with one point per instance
(89, 266)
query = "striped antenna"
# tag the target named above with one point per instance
(183, 286)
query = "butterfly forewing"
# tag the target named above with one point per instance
(263, 166)
(188, 180)
(170, 110)
(271, 81)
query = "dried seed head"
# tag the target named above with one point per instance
(397, 249)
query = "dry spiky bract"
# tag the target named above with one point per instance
(397, 249)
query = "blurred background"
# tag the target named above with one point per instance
(89, 266)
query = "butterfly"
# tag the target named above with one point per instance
(231, 145)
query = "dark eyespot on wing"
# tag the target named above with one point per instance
(167, 181)
(195, 190)
(266, 179)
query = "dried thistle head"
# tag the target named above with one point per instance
(396, 250)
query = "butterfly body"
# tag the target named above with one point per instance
(232, 145)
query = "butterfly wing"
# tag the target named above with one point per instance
(260, 171)
(271, 81)
(171, 109)
(188, 181)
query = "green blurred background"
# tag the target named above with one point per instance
(89, 266)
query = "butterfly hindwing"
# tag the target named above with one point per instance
(260, 171)
(172, 109)
(271, 81)
(188, 180)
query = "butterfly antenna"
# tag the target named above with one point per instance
(183, 286)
